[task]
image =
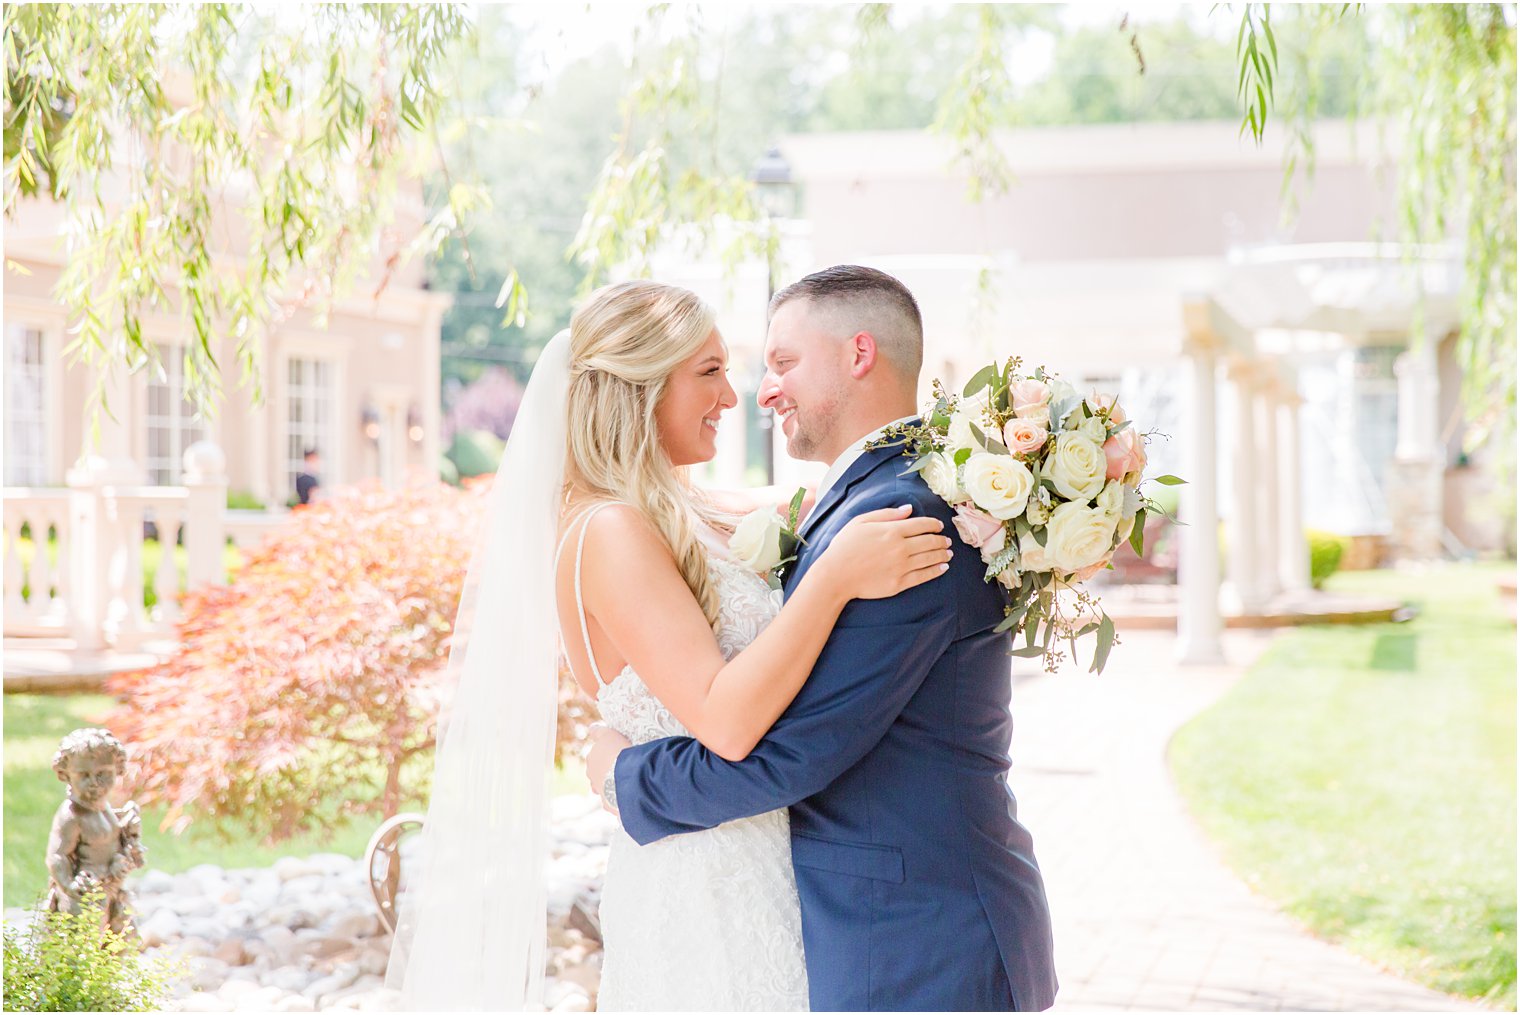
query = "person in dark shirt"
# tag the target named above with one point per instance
(308, 479)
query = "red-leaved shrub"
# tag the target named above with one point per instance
(308, 690)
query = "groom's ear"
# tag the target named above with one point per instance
(862, 354)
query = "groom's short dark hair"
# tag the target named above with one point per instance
(870, 300)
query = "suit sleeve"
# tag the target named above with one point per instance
(873, 663)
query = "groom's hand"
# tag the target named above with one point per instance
(606, 745)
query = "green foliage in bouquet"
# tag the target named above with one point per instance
(69, 962)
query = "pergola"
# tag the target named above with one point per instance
(1243, 321)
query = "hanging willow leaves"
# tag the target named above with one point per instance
(1443, 76)
(656, 188)
(218, 162)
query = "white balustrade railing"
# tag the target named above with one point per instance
(42, 572)
(80, 573)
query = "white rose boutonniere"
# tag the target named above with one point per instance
(766, 543)
(757, 540)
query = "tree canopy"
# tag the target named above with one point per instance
(222, 162)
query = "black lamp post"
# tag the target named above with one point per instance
(772, 177)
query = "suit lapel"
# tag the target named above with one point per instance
(858, 470)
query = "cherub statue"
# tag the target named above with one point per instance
(93, 846)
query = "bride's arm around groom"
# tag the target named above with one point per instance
(893, 760)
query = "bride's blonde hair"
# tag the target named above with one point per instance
(625, 342)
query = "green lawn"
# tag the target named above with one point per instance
(33, 726)
(1364, 779)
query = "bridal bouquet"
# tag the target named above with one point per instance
(1046, 484)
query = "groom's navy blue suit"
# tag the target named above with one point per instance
(919, 886)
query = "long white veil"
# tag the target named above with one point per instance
(471, 930)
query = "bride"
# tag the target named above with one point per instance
(596, 534)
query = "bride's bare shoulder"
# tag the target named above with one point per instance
(619, 536)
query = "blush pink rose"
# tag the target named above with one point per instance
(980, 529)
(1109, 402)
(1030, 399)
(1093, 568)
(1024, 436)
(1125, 452)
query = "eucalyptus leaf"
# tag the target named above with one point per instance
(980, 380)
(1137, 534)
(1105, 644)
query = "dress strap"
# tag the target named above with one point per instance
(584, 521)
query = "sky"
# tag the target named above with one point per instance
(570, 31)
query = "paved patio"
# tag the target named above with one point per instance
(1147, 917)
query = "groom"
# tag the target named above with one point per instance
(919, 887)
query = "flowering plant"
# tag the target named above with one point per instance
(1046, 484)
(766, 543)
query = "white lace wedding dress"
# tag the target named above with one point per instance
(705, 921)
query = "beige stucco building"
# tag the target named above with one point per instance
(362, 387)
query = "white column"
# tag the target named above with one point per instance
(1265, 477)
(1244, 521)
(1293, 545)
(96, 546)
(95, 543)
(205, 479)
(1198, 618)
(1417, 470)
(431, 396)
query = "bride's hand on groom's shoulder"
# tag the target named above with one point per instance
(881, 553)
(604, 745)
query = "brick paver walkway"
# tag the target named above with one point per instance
(1147, 916)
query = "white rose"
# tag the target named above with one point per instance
(998, 484)
(1093, 429)
(1060, 391)
(960, 435)
(1111, 500)
(1010, 577)
(977, 403)
(1032, 556)
(939, 473)
(1077, 467)
(1078, 536)
(756, 541)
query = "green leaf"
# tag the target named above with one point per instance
(1029, 652)
(794, 509)
(1137, 534)
(962, 456)
(1105, 644)
(980, 380)
(1170, 481)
